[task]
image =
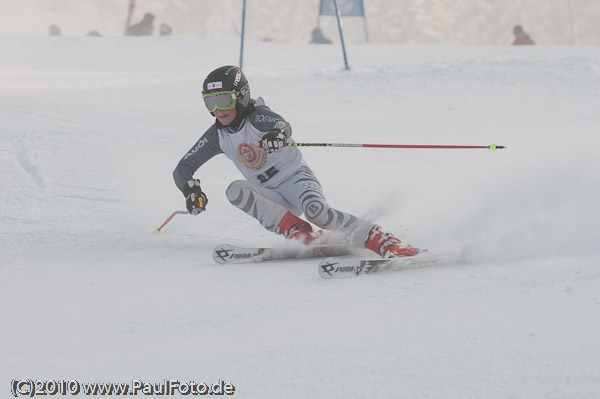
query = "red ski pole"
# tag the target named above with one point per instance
(492, 147)
(158, 229)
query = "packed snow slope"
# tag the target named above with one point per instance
(91, 129)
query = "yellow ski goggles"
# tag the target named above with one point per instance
(222, 100)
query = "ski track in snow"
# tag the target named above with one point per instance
(90, 292)
(30, 168)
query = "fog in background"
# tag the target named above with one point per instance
(483, 22)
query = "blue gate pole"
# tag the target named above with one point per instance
(339, 21)
(242, 40)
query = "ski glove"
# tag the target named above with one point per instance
(195, 199)
(273, 141)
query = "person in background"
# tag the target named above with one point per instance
(319, 38)
(521, 37)
(279, 185)
(143, 28)
(165, 29)
(54, 30)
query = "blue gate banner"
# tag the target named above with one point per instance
(348, 8)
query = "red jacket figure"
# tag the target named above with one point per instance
(521, 37)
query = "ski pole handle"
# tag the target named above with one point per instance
(158, 229)
(492, 147)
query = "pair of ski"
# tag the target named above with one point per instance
(330, 267)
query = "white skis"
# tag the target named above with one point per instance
(225, 253)
(340, 268)
(331, 266)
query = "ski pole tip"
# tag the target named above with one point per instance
(157, 229)
(495, 147)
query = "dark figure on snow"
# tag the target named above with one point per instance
(143, 28)
(165, 29)
(521, 37)
(279, 186)
(319, 38)
(54, 30)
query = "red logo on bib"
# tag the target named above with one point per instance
(251, 156)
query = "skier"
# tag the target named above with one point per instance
(143, 28)
(521, 37)
(279, 185)
(54, 30)
(317, 37)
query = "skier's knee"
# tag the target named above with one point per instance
(323, 215)
(235, 192)
(316, 212)
(251, 200)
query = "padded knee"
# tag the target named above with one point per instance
(316, 210)
(252, 201)
(234, 191)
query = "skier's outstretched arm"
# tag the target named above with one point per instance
(204, 149)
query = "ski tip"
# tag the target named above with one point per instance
(326, 267)
(221, 253)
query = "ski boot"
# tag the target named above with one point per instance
(386, 245)
(294, 228)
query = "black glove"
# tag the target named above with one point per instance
(273, 141)
(195, 199)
